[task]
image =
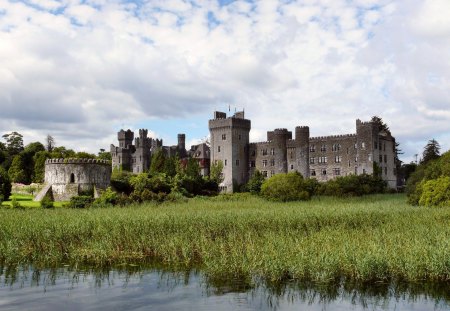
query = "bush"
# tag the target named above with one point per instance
(5, 184)
(16, 204)
(46, 202)
(120, 181)
(435, 192)
(353, 185)
(285, 187)
(81, 201)
(255, 182)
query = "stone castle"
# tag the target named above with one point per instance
(322, 158)
(66, 178)
(136, 157)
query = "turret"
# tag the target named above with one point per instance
(181, 142)
(280, 137)
(125, 138)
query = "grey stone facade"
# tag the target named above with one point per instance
(322, 158)
(65, 178)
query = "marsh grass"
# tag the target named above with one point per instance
(373, 238)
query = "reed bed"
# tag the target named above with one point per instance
(374, 238)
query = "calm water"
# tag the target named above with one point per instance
(134, 288)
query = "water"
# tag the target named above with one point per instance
(134, 288)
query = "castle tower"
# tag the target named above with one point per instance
(229, 144)
(280, 137)
(141, 157)
(366, 139)
(125, 138)
(302, 149)
(181, 141)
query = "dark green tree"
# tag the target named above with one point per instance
(39, 165)
(50, 143)
(85, 155)
(158, 162)
(104, 155)
(193, 169)
(14, 143)
(62, 152)
(170, 166)
(215, 172)
(17, 172)
(381, 125)
(255, 182)
(5, 185)
(431, 151)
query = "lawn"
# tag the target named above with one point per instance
(26, 201)
(371, 238)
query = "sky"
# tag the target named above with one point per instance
(82, 70)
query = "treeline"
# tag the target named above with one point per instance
(26, 164)
(429, 185)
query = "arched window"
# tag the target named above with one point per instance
(72, 178)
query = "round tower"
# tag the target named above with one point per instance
(302, 149)
(280, 137)
(181, 141)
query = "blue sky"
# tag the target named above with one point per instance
(82, 70)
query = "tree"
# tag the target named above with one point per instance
(170, 166)
(17, 171)
(255, 182)
(14, 143)
(50, 143)
(158, 162)
(5, 185)
(104, 155)
(215, 172)
(62, 152)
(85, 155)
(381, 125)
(39, 165)
(431, 151)
(193, 169)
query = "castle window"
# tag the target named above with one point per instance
(264, 163)
(385, 158)
(264, 152)
(385, 171)
(72, 178)
(224, 136)
(218, 148)
(337, 159)
(337, 171)
(253, 153)
(313, 173)
(239, 136)
(264, 173)
(252, 164)
(323, 148)
(237, 162)
(384, 146)
(272, 151)
(356, 159)
(370, 157)
(292, 166)
(363, 145)
(312, 148)
(272, 173)
(291, 154)
(356, 146)
(324, 171)
(336, 147)
(225, 162)
(272, 162)
(381, 158)
(322, 159)
(311, 160)
(375, 145)
(364, 170)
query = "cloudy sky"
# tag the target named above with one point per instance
(82, 70)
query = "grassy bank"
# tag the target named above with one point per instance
(370, 238)
(26, 201)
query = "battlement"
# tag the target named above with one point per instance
(77, 161)
(125, 135)
(332, 137)
(230, 122)
(302, 127)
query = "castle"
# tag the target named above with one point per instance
(322, 158)
(136, 157)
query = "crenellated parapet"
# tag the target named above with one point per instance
(77, 161)
(330, 137)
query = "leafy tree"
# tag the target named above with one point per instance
(5, 185)
(50, 143)
(14, 143)
(39, 165)
(85, 155)
(104, 155)
(170, 166)
(381, 125)
(193, 169)
(28, 159)
(17, 171)
(62, 152)
(215, 172)
(285, 187)
(255, 182)
(431, 151)
(157, 162)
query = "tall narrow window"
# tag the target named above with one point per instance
(72, 178)
(224, 136)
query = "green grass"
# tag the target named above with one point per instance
(26, 201)
(363, 239)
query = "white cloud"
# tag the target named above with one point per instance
(82, 70)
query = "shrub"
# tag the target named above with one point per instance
(46, 202)
(120, 181)
(5, 184)
(108, 196)
(435, 192)
(16, 204)
(353, 185)
(255, 182)
(81, 201)
(285, 187)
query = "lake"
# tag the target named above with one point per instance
(135, 288)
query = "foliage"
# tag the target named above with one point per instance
(16, 204)
(5, 185)
(85, 155)
(39, 166)
(17, 170)
(192, 169)
(380, 123)
(121, 181)
(50, 143)
(431, 171)
(47, 202)
(353, 185)
(107, 198)
(62, 152)
(435, 192)
(215, 172)
(157, 162)
(14, 143)
(365, 239)
(285, 187)
(431, 151)
(254, 183)
(81, 201)
(170, 166)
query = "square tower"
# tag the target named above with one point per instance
(229, 144)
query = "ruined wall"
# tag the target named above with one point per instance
(69, 177)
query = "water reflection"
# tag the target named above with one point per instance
(141, 288)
